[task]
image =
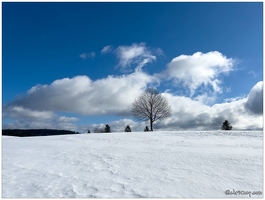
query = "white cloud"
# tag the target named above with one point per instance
(228, 100)
(189, 114)
(136, 54)
(206, 98)
(114, 95)
(111, 95)
(199, 70)
(35, 124)
(255, 99)
(65, 119)
(28, 118)
(85, 56)
(20, 112)
(106, 49)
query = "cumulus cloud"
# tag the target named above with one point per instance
(136, 54)
(255, 99)
(194, 115)
(85, 56)
(199, 70)
(27, 118)
(35, 124)
(111, 95)
(25, 113)
(84, 96)
(106, 49)
(189, 114)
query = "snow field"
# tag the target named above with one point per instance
(128, 165)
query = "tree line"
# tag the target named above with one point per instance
(226, 126)
(35, 132)
(108, 130)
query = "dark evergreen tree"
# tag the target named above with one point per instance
(146, 129)
(88, 131)
(107, 129)
(226, 125)
(128, 129)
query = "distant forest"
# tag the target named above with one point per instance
(35, 132)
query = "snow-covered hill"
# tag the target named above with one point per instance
(153, 164)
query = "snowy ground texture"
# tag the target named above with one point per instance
(153, 164)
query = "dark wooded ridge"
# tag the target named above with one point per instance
(35, 132)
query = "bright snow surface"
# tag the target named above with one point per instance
(143, 164)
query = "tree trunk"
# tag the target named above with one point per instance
(151, 125)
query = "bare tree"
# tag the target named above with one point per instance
(150, 105)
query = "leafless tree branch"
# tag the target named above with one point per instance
(150, 105)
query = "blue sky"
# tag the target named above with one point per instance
(62, 43)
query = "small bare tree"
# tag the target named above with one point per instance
(150, 105)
